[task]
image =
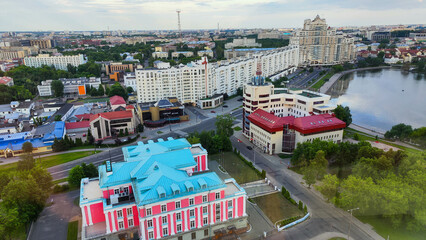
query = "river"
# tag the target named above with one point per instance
(381, 98)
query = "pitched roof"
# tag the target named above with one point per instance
(85, 116)
(116, 100)
(269, 121)
(5, 80)
(74, 125)
(112, 115)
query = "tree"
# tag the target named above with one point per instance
(400, 131)
(419, 136)
(90, 138)
(101, 90)
(118, 90)
(93, 92)
(381, 54)
(9, 222)
(58, 88)
(38, 121)
(129, 89)
(126, 132)
(26, 163)
(224, 125)
(338, 68)
(139, 128)
(319, 164)
(193, 140)
(27, 147)
(107, 90)
(344, 114)
(75, 176)
(329, 187)
(309, 175)
(58, 117)
(89, 170)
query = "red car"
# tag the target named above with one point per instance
(213, 112)
(84, 135)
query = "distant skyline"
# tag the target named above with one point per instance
(84, 15)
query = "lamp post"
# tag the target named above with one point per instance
(350, 222)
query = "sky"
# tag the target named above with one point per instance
(59, 15)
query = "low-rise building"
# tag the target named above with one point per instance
(72, 86)
(156, 114)
(161, 65)
(211, 102)
(8, 81)
(161, 191)
(243, 42)
(118, 67)
(117, 101)
(108, 124)
(273, 134)
(208, 53)
(160, 54)
(185, 54)
(25, 107)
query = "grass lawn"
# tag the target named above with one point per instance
(236, 167)
(237, 128)
(60, 180)
(276, 207)
(321, 82)
(72, 230)
(384, 228)
(159, 132)
(51, 161)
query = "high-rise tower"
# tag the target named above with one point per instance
(180, 30)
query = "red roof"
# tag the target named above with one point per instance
(74, 125)
(85, 116)
(112, 115)
(5, 80)
(304, 125)
(130, 107)
(116, 100)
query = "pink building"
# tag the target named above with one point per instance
(162, 190)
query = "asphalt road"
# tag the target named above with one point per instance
(324, 217)
(302, 81)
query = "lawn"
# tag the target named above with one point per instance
(321, 82)
(276, 207)
(72, 230)
(384, 228)
(237, 128)
(60, 180)
(236, 167)
(159, 132)
(51, 161)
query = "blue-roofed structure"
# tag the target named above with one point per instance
(157, 178)
(41, 138)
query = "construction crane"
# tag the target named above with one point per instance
(180, 30)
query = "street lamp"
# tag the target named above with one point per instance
(350, 222)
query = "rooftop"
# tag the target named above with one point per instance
(309, 94)
(116, 100)
(112, 115)
(75, 125)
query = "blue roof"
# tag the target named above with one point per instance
(158, 170)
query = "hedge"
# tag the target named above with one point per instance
(250, 164)
(289, 220)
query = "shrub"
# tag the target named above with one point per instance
(300, 205)
(289, 220)
(292, 201)
(263, 174)
(305, 209)
(356, 136)
(61, 188)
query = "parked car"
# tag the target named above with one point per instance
(225, 106)
(212, 111)
(240, 100)
(84, 135)
(249, 148)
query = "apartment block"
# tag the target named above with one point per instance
(59, 62)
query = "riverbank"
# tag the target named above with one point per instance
(327, 85)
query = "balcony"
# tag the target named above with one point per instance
(121, 198)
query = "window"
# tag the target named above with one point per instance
(180, 238)
(191, 201)
(165, 231)
(116, 191)
(130, 221)
(206, 232)
(205, 221)
(177, 204)
(148, 211)
(230, 203)
(205, 198)
(217, 212)
(163, 208)
(192, 224)
(217, 195)
(205, 209)
(178, 216)
(164, 219)
(120, 225)
(179, 228)
(191, 213)
(149, 223)
(230, 214)
(151, 235)
(193, 235)
(129, 211)
(120, 213)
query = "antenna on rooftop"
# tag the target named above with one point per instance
(179, 27)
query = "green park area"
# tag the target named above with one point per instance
(324, 79)
(236, 167)
(51, 161)
(276, 207)
(72, 230)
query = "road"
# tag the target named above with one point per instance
(302, 80)
(325, 217)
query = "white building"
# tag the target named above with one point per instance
(185, 54)
(130, 81)
(72, 86)
(189, 82)
(208, 53)
(59, 62)
(160, 54)
(243, 42)
(159, 64)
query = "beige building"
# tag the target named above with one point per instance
(273, 134)
(106, 125)
(281, 101)
(41, 43)
(321, 45)
(185, 54)
(160, 54)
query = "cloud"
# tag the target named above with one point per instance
(24, 15)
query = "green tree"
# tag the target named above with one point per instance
(344, 114)
(107, 90)
(101, 90)
(118, 90)
(38, 121)
(58, 117)
(338, 68)
(57, 88)
(129, 89)
(381, 54)
(400, 131)
(193, 140)
(419, 136)
(224, 125)
(329, 187)
(42, 177)
(27, 147)
(10, 222)
(319, 164)
(139, 128)
(93, 92)
(89, 170)
(90, 138)
(309, 175)
(26, 162)
(75, 176)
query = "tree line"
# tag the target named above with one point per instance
(405, 132)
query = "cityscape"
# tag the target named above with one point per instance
(276, 121)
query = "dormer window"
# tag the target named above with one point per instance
(163, 195)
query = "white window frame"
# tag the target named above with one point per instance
(205, 210)
(205, 221)
(230, 214)
(122, 223)
(191, 201)
(129, 212)
(217, 195)
(230, 203)
(192, 224)
(165, 231)
(148, 211)
(164, 219)
(204, 198)
(149, 222)
(119, 213)
(179, 227)
(164, 208)
(151, 235)
(192, 213)
(178, 216)
(130, 222)
(177, 204)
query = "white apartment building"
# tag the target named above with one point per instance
(186, 54)
(59, 62)
(189, 82)
(160, 54)
(243, 42)
(130, 81)
(72, 86)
